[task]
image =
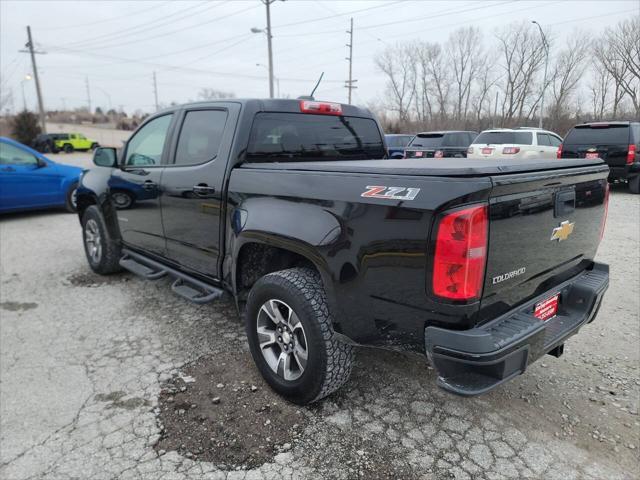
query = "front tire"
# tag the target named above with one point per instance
(634, 184)
(290, 333)
(102, 250)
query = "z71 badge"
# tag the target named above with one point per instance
(390, 193)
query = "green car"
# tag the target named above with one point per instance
(73, 141)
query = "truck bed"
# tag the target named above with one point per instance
(429, 167)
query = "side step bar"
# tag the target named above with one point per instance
(184, 285)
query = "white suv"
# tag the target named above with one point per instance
(519, 143)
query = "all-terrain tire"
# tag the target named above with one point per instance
(329, 360)
(68, 148)
(109, 259)
(634, 184)
(70, 198)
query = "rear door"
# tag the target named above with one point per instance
(192, 186)
(609, 142)
(545, 227)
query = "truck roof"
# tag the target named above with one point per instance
(272, 105)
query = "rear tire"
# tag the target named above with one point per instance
(318, 364)
(68, 148)
(634, 184)
(71, 198)
(102, 250)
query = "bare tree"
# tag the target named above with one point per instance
(566, 74)
(398, 66)
(523, 55)
(464, 51)
(599, 90)
(619, 53)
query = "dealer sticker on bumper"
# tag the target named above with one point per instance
(547, 309)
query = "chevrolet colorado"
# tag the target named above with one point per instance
(292, 207)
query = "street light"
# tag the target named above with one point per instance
(545, 44)
(24, 99)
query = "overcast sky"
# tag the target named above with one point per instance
(118, 45)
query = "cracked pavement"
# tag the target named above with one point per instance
(83, 358)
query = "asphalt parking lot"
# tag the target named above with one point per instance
(95, 372)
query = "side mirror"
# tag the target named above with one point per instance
(105, 157)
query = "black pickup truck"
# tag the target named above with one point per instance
(292, 208)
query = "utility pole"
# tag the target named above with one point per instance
(155, 89)
(495, 110)
(32, 52)
(86, 82)
(350, 83)
(268, 4)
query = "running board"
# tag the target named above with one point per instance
(184, 285)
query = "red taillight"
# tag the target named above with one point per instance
(460, 254)
(323, 108)
(510, 150)
(631, 154)
(606, 209)
(559, 152)
(438, 154)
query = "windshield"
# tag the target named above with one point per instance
(294, 137)
(398, 141)
(499, 138)
(427, 140)
(609, 134)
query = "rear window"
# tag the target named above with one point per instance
(515, 138)
(294, 137)
(610, 134)
(428, 140)
(398, 141)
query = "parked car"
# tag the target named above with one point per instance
(518, 143)
(440, 144)
(396, 143)
(69, 142)
(617, 143)
(46, 142)
(292, 208)
(29, 180)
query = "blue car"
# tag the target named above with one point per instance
(396, 143)
(29, 180)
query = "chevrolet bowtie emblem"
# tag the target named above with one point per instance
(563, 231)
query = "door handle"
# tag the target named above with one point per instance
(149, 185)
(203, 189)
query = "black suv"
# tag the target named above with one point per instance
(617, 143)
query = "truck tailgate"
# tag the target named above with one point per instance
(544, 228)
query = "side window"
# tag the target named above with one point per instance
(543, 139)
(555, 141)
(11, 155)
(200, 136)
(146, 146)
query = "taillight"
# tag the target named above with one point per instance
(606, 209)
(323, 108)
(510, 150)
(469, 150)
(559, 152)
(438, 154)
(460, 254)
(631, 154)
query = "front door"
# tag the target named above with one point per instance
(192, 186)
(24, 182)
(135, 186)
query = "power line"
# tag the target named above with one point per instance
(97, 22)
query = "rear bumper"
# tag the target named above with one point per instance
(472, 362)
(625, 171)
